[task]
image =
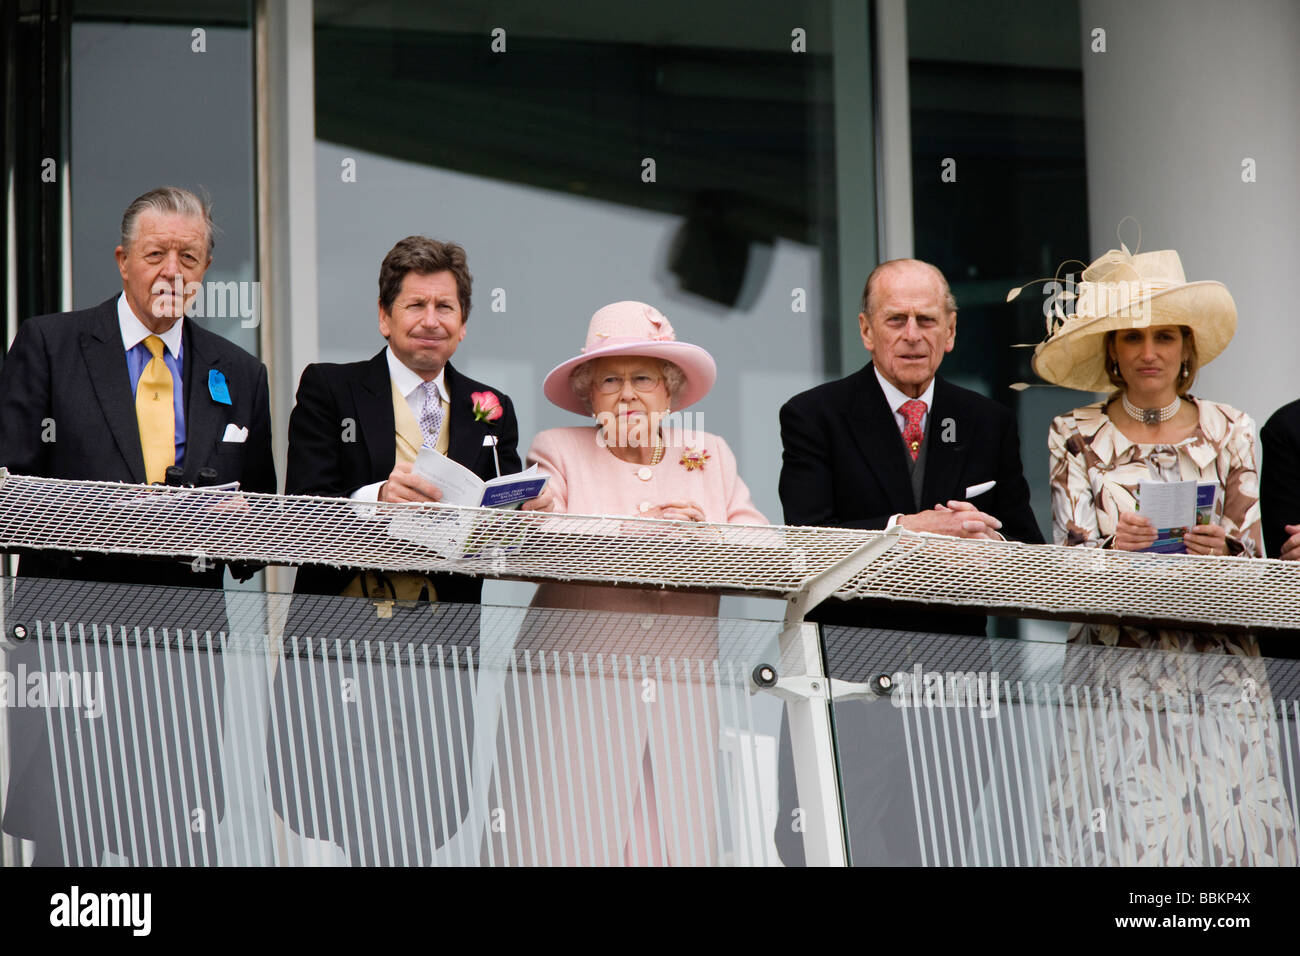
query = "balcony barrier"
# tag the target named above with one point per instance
(196, 727)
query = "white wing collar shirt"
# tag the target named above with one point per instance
(411, 387)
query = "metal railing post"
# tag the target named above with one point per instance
(801, 681)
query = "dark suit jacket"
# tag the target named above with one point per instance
(66, 377)
(322, 462)
(1279, 501)
(843, 466)
(1279, 484)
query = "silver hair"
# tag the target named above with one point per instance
(168, 199)
(949, 300)
(582, 380)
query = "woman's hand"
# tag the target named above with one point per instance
(668, 511)
(1133, 532)
(676, 511)
(1206, 539)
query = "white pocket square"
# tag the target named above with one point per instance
(235, 433)
(976, 490)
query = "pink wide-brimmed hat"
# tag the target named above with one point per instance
(633, 328)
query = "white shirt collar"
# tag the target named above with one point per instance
(134, 331)
(895, 398)
(408, 382)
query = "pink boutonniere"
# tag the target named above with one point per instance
(694, 459)
(487, 407)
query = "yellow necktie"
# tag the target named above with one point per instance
(155, 414)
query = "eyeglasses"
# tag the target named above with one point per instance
(611, 384)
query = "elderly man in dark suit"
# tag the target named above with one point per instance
(354, 433)
(125, 391)
(1279, 503)
(895, 444)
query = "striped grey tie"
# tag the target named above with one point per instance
(431, 414)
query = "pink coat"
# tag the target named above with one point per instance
(586, 478)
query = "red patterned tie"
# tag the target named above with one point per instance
(913, 411)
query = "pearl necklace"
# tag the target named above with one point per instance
(644, 472)
(1151, 416)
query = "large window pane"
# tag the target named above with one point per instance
(535, 158)
(163, 96)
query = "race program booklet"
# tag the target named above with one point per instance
(460, 486)
(1173, 507)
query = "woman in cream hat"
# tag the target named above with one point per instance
(649, 790)
(1140, 330)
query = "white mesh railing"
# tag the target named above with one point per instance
(441, 735)
(1020, 753)
(1085, 584)
(1028, 580)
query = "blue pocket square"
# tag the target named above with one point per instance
(217, 387)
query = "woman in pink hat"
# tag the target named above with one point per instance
(638, 782)
(630, 377)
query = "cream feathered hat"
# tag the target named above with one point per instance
(1125, 291)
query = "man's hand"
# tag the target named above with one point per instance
(1133, 532)
(403, 484)
(1291, 546)
(958, 519)
(543, 502)
(1206, 539)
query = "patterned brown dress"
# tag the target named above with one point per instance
(1175, 761)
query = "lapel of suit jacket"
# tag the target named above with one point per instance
(205, 417)
(466, 437)
(101, 347)
(875, 429)
(944, 459)
(372, 397)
